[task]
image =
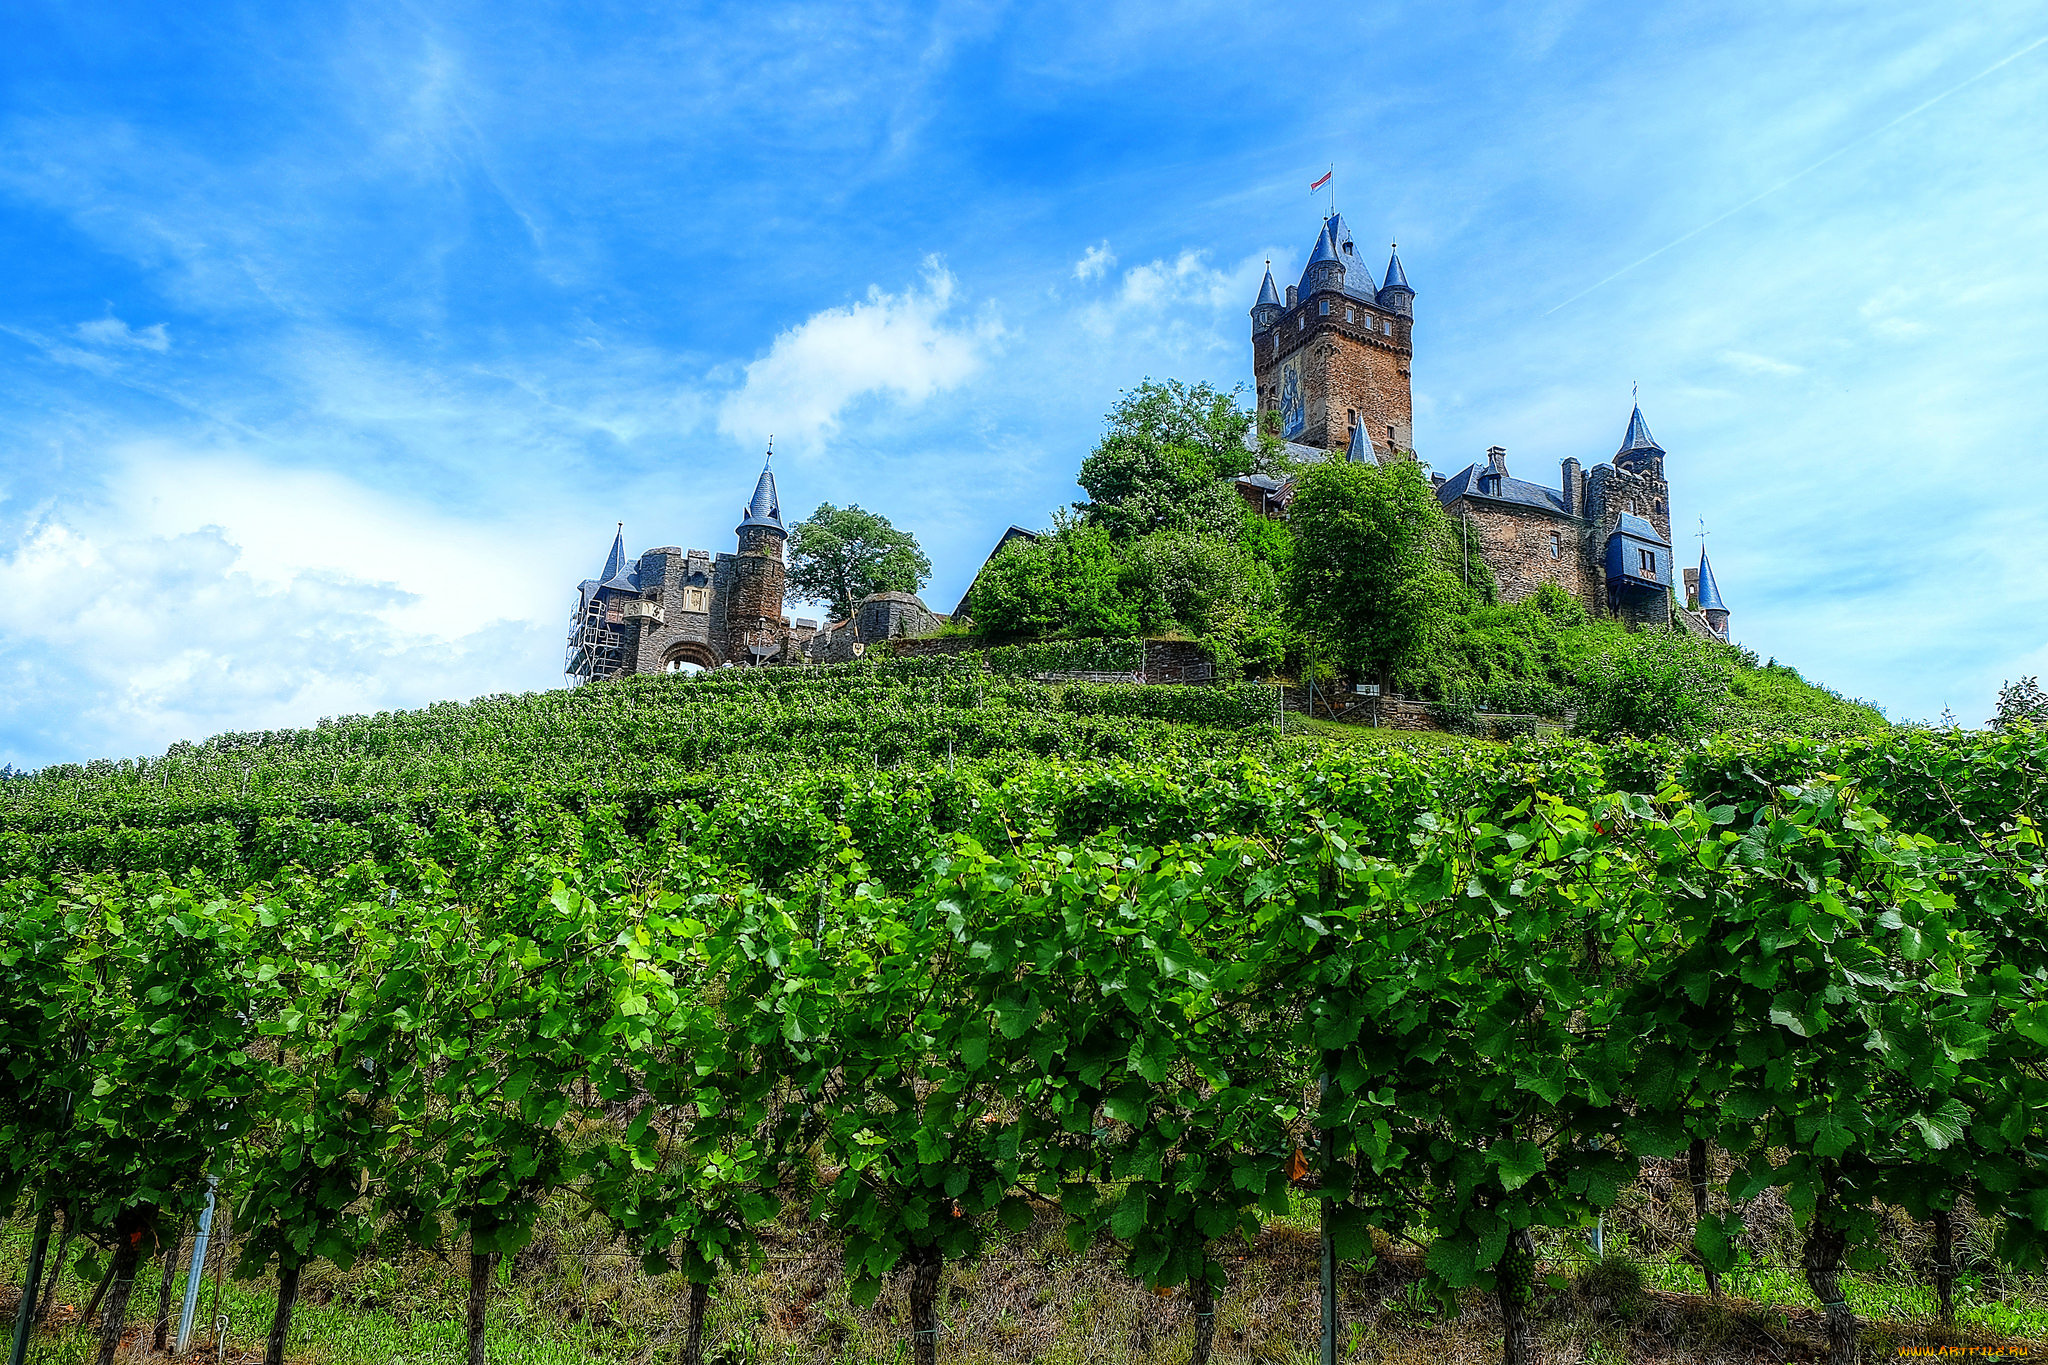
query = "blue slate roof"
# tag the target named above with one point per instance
(1636, 528)
(766, 508)
(1335, 243)
(1638, 436)
(1710, 591)
(1360, 451)
(1465, 484)
(619, 573)
(1397, 278)
(1267, 293)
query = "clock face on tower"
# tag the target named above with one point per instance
(1293, 411)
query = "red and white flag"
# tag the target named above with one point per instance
(1320, 183)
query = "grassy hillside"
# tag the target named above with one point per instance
(779, 982)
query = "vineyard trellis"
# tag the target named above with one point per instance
(927, 1002)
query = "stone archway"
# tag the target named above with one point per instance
(688, 656)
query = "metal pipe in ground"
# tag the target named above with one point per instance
(198, 1270)
(26, 1315)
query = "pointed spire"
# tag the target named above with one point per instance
(1361, 451)
(1326, 247)
(766, 507)
(1710, 591)
(1397, 278)
(1638, 437)
(616, 560)
(1268, 295)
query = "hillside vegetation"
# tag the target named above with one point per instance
(1364, 578)
(903, 968)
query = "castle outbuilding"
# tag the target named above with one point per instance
(674, 610)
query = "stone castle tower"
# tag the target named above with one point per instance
(1331, 359)
(1332, 364)
(753, 615)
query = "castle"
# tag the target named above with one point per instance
(673, 610)
(1331, 362)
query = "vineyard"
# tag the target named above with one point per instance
(932, 955)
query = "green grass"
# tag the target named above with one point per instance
(573, 1298)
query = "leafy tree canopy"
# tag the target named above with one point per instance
(1369, 562)
(841, 554)
(1165, 461)
(1069, 581)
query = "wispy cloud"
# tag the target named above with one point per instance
(1095, 262)
(112, 332)
(904, 347)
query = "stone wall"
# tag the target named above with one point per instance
(1526, 547)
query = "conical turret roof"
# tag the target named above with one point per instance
(1268, 295)
(1638, 437)
(766, 508)
(1710, 591)
(1397, 278)
(1326, 250)
(616, 560)
(1360, 451)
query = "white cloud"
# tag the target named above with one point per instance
(111, 331)
(1163, 299)
(1750, 363)
(1096, 262)
(212, 593)
(903, 345)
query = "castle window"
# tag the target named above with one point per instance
(1323, 308)
(1648, 560)
(1300, 322)
(1387, 326)
(1350, 313)
(1556, 546)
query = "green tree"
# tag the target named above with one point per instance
(841, 554)
(1165, 461)
(1368, 571)
(1069, 582)
(1655, 683)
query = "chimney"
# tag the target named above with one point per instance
(1497, 460)
(1572, 505)
(1292, 292)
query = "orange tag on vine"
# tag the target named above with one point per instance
(1297, 1165)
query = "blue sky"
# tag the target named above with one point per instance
(335, 337)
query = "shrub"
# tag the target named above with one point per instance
(2020, 703)
(1656, 683)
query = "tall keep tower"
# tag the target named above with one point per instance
(753, 614)
(1332, 358)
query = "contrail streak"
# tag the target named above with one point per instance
(1849, 146)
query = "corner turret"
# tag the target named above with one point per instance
(1639, 453)
(1710, 604)
(1395, 296)
(1267, 309)
(1325, 269)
